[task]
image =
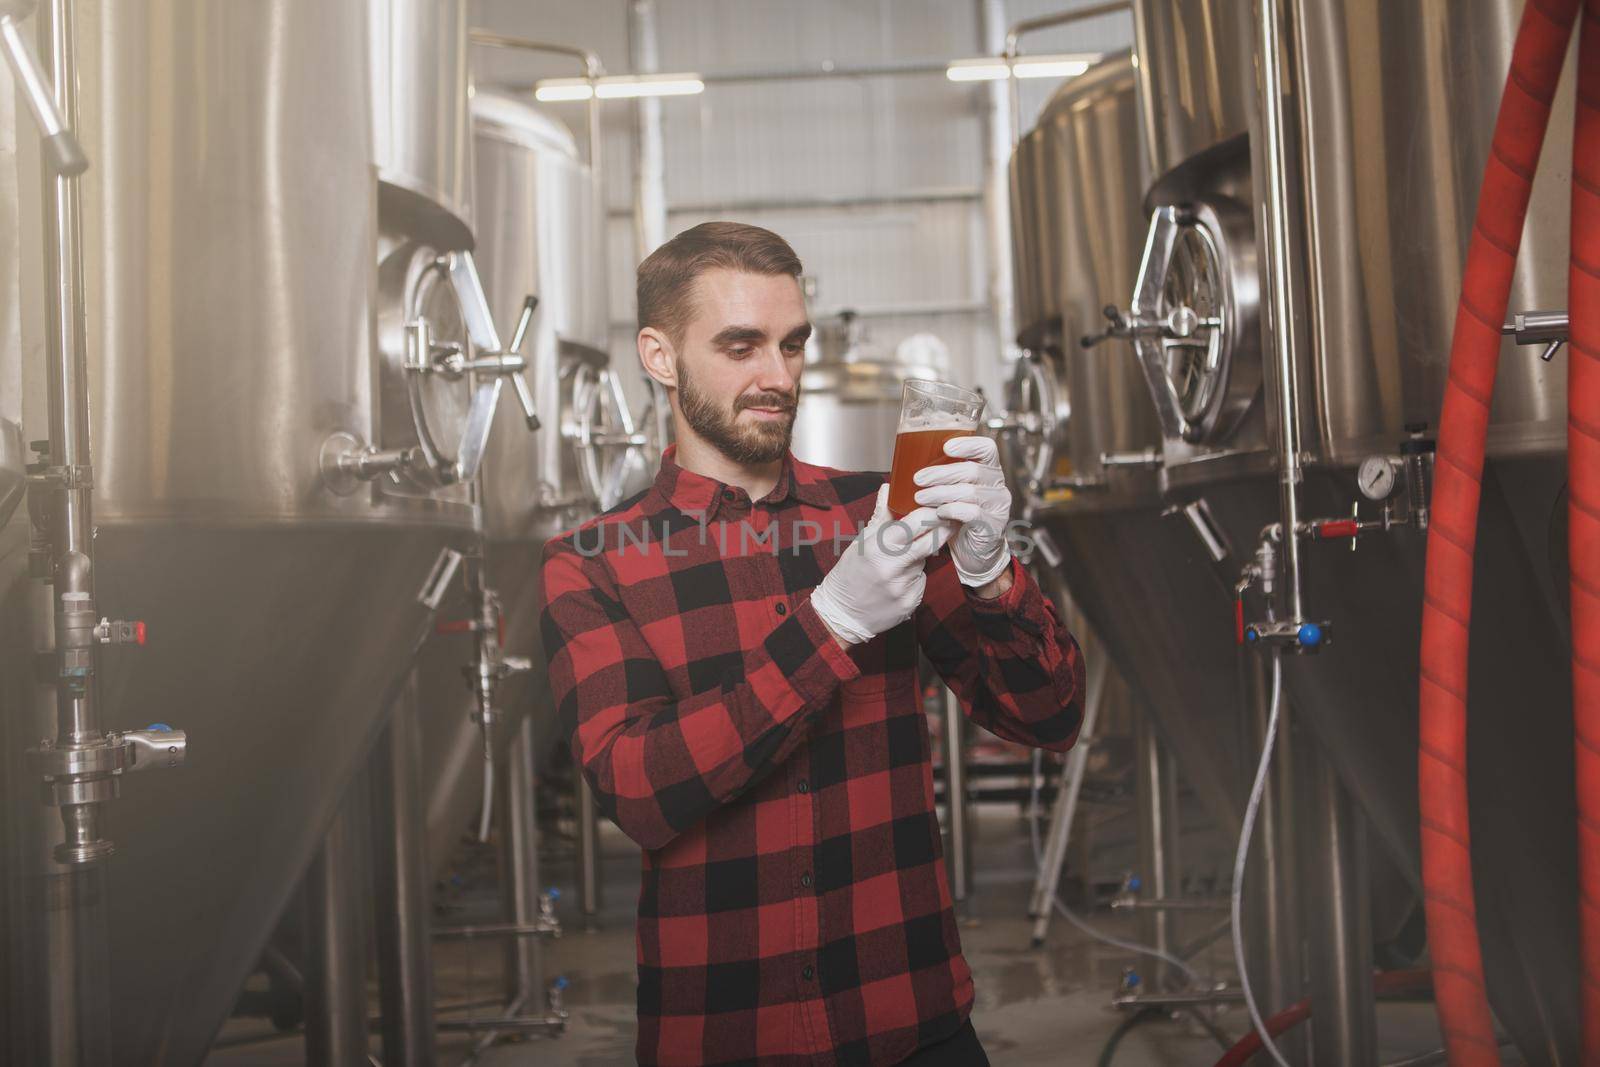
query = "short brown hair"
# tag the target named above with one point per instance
(667, 277)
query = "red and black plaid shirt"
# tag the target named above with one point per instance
(794, 906)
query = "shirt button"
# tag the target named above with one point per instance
(804, 786)
(727, 494)
(783, 609)
(805, 880)
(808, 972)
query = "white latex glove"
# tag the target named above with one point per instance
(974, 494)
(878, 581)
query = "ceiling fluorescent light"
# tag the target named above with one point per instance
(984, 69)
(552, 90)
(1068, 66)
(628, 86)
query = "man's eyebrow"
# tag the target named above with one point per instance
(799, 334)
(730, 335)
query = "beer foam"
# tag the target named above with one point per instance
(935, 420)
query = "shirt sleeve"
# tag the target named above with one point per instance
(659, 765)
(1014, 667)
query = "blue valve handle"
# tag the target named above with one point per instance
(1310, 635)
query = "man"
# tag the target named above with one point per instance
(740, 678)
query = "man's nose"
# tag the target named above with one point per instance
(773, 375)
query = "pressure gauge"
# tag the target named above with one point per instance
(1376, 477)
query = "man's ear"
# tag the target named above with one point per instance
(657, 357)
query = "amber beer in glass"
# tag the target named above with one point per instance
(931, 413)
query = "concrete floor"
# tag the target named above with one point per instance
(1034, 1006)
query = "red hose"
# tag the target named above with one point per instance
(1583, 508)
(1447, 599)
(1387, 983)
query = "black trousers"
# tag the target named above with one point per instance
(961, 1049)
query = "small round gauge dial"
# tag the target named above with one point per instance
(1376, 478)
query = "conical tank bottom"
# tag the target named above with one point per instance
(279, 651)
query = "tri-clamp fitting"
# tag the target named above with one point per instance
(79, 777)
(490, 666)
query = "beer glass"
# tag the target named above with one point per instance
(931, 413)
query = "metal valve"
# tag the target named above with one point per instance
(120, 632)
(1548, 328)
(425, 356)
(553, 998)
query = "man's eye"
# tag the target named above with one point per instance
(794, 349)
(740, 351)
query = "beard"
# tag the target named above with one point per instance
(762, 442)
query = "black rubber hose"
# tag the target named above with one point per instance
(1141, 1016)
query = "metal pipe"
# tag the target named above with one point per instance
(650, 175)
(62, 154)
(826, 70)
(401, 884)
(1271, 914)
(1344, 1028)
(336, 972)
(1282, 301)
(899, 198)
(588, 817)
(955, 798)
(1146, 88)
(517, 931)
(77, 966)
(511, 1024)
(1060, 18)
(1158, 852)
(999, 134)
(68, 371)
(1200, 999)
(592, 69)
(1177, 904)
(520, 864)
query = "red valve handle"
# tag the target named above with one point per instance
(467, 626)
(138, 632)
(1338, 528)
(1238, 619)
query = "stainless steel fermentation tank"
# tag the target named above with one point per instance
(1387, 113)
(1083, 441)
(540, 234)
(850, 398)
(274, 486)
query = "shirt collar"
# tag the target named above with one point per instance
(697, 494)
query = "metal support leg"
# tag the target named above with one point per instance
(336, 971)
(400, 876)
(588, 852)
(520, 867)
(1272, 915)
(1344, 1028)
(1048, 880)
(1158, 842)
(955, 793)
